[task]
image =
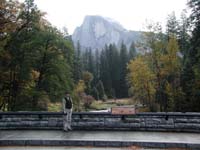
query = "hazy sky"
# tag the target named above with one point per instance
(132, 14)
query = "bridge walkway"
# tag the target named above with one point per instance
(99, 138)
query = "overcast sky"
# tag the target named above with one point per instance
(132, 14)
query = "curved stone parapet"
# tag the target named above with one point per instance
(183, 122)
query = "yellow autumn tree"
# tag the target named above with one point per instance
(171, 63)
(141, 81)
(77, 94)
(171, 72)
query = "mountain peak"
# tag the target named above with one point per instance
(98, 17)
(96, 31)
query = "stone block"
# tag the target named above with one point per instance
(34, 142)
(78, 143)
(150, 144)
(60, 123)
(31, 119)
(134, 125)
(92, 119)
(151, 121)
(90, 124)
(181, 120)
(10, 124)
(197, 120)
(107, 144)
(52, 122)
(124, 125)
(165, 126)
(133, 120)
(3, 124)
(193, 146)
(187, 126)
(175, 145)
(128, 143)
(34, 124)
(151, 126)
(12, 119)
(115, 120)
(167, 122)
(12, 143)
(44, 123)
(142, 124)
(111, 124)
(27, 123)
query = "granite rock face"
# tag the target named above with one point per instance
(96, 31)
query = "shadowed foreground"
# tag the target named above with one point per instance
(79, 148)
(99, 138)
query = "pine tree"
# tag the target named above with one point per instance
(96, 67)
(183, 36)
(132, 51)
(77, 63)
(114, 69)
(105, 70)
(100, 89)
(95, 93)
(91, 62)
(191, 72)
(84, 59)
(172, 25)
(123, 71)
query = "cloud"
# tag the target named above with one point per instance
(130, 13)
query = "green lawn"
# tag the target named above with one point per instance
(99, 105)
(55, 107)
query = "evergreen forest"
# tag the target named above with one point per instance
(39, 62)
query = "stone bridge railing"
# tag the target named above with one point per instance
(184, 122)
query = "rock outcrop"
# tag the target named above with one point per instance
(96, 31)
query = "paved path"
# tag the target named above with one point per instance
(75, 148)
(99, 138)
(58, 148)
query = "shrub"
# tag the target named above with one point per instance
(87, 101)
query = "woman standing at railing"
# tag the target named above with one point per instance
(67, 107)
